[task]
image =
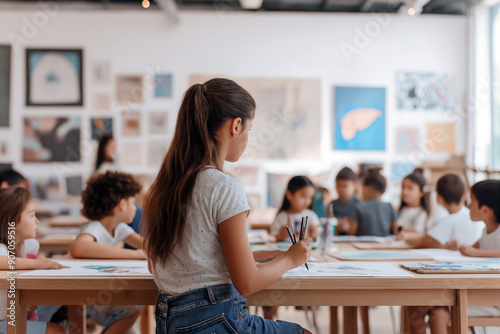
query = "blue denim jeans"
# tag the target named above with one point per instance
(217, 309)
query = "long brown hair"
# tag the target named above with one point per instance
(204, 108)
(417, 177)
(13, 201)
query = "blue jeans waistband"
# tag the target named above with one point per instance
(196, 298)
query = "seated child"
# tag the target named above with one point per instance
(372, 216)
(296, 204)
(453, 231)
(11, 178)
(485, 207)
(415, 209)
(17, 218)
(109, 202)
(345, 184)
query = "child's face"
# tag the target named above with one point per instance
(301, 199)
(239, 142)
(476, 213)
(345, 189)
(26, 228)
(411, 193)
(129, 210)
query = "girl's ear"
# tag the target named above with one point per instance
(236, 126)
(4, 185)
(288, 194)
(487, 211)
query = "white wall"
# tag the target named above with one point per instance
(249, 45)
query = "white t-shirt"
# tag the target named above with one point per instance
(490, 241)
(102, 236)
(283, 218)
(459, 227)
(3, 293)
(198, 260)
(414, 219)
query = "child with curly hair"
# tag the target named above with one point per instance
(109, 202)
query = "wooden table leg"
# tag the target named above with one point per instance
(77, 316)
(459, 323)
(334, 320)
(405, 320)
(148, 319)
(365, 320)
(350, 322)
(19, 314)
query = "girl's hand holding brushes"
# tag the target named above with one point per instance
(299, 253)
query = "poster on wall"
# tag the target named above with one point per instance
(101, 101)
(287, 119)
(441, 138)
(5, 59)
(51, 139)
(163, 85)
(100, 127)
(132, 154)
(130, 88)
(424, 91)
(359, 118)
(101, 72)
(400, 170)
(54, 77)
(131, 123)
(158, 123)
(407, 140)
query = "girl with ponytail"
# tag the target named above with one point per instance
(195, 222)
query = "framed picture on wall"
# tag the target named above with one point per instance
(54, 77)
(5, 59)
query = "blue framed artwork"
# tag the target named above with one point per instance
(54, 77)
(359, 118)
(163, 85)
(5, 58)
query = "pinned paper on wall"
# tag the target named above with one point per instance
(158, 123)
(424, 91)
(131, 154)
(130, 88)
(100, 127)
(441, 138)
(286, 120)
(163, 85)
(101, 72)
(156, 151)
(359, 118)
(131, 123)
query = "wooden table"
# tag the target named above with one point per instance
(456, 291)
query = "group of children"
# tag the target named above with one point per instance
(109, 202)
(420, 222)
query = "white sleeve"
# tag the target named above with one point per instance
(442, 231)
(233, 200)
(94, 229)
(313, 219)
(280, 220)
(123, 231)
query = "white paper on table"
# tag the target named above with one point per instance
(445, 255)
(95, 268)
(348, 269)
